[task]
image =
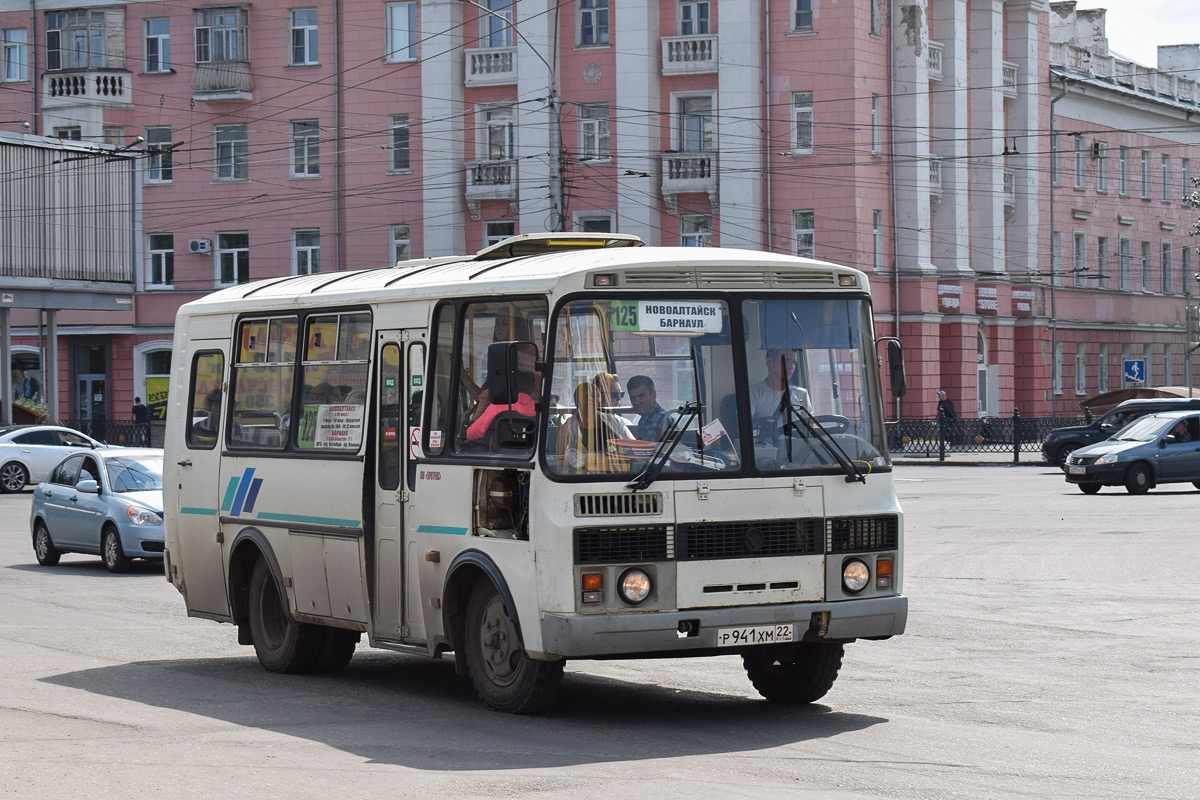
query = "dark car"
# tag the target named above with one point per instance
(1061, 442)
(1155, 449)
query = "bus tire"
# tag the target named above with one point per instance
(281, 643)
(503, 675)
(337, 648)
(794, 674)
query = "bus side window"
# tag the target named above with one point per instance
(438, 408)
(391, 434)
(204, 406)
(416, 393)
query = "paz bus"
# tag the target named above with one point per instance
(565, 446)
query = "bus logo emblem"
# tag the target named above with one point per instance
(241, 493)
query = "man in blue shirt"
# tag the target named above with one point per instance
(644, 400)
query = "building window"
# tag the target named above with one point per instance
(594, 222)
(1102, 260)
(16, 54)
(1054, 162)
(1101, 166)
(1168, 377)
(695, 124)
(71, 133)
(1125, 265)
(1058, 368)
(804, 232)
(695, 230)
(1102, 373)
(1079, 162)
(496, 133)
(304, 36)
(803, 20)
(1168, 277)
(75, 40)
(497, 231)
(1166, 179)
(159, 160)
(1145, 174)
(1079, 266)
(401, 243)
(221, 35)
(398, 132)
(1186, 268)
(593, 132)
(876, 17)
(306, 149)
(233, 155)
(1081, 369)
(161, 272)
(693, 17)
(114, 136)
(233, 258)
(496, 24)
(158, 45)
(802, 123)
(1056, 258)
(876, 125)
(1186, 167)
(1145, 266)
(401, 32)
(593, 22)
(877, 239)
(1123, 160)
(306, 251)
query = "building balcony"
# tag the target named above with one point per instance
(935, 176)
(1008, 76)
(110, 88)
(223, 82)
(933, 61)
(490, 180)
(689, 55)
(491, 66)
(689, 173)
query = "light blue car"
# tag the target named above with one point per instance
(1156, 449)
(107, 502)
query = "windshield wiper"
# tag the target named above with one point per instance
(853, 473)
(662, 453)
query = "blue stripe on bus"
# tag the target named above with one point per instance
(343, 523)
(243, 488)
(204, 512)
(441, 529)
(255, 485)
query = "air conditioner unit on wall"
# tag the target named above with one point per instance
(202, 246)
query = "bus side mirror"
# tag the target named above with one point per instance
(510, 370)
(895, 363)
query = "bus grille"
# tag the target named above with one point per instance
(748, 539)
(855, 534)
(613, 545)
(626, 504)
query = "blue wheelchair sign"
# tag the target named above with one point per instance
(1135, 372)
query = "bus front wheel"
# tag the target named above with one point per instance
(793, 673)
(503, 675)
(281, 643)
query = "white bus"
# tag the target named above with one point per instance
(564, 446)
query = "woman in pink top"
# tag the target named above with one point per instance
(524, 406)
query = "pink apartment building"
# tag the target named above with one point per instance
(929, 143)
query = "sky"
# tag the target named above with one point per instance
(1136, 28)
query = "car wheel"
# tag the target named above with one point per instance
(111, 551)
(1089, 488)
(281, 643)
(1064, 453)
(504, 675)
(793, 674)
(13, 477)
(1138, 479)
(43, 546)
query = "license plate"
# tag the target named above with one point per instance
(1077, 470)
(755, 634)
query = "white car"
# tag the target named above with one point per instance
(29, 452)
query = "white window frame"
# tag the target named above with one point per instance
(1057, 380)
(1101, 167)
(1124, 163)
(1125, 263)
(160, 259)
(495, 132)
(302, 37)
(580, 220)
(69, 133)
(160, 161)
(1055, 160)
(76, 40)
(803, 16)
(233, 151)
(1081, 369)
(1079, 259)
(401, 243)
(1102, 374)
(695, 230)
(693, 14)
(1102, 261)
(1056, 258)
(156, 47)
(1185, 267)
(496, 27)
(236, 255)
(877, 239)
(804, 232)
(876, 17)
(593, 19)
(876, 123)
(1167, 261)
(399, 144)
(1079, 155)
(594, 136)
(1168, 376)
(1166, 178)
(305, 149)
(680, 127)
(16, 56)
(493, 233)
(1185, 167)
(399, 32)
(1145, 174)
(141, 353)
(802, 123)
(306, 254)
(221, 35)
(1147, 268)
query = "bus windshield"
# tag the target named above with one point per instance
(635, 381)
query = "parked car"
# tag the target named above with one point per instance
(1060, 442)
(29, 452)
(1152, 450)
(108, 502)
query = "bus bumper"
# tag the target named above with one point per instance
(589, 636)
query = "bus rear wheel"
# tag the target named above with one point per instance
(281, 643)
(794, 674)
(503, 674)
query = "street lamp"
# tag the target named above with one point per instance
(23, 123)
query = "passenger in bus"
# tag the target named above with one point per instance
(585, 436)
(484, 421)
(644, 400)
(766, 396)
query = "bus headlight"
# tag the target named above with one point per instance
(855, 575)
(634, 586)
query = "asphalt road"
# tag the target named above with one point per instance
(1053, 651)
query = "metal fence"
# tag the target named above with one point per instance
(939, 436)
(117, 432)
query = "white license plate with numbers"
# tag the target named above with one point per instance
(756, 634)
(1077, 469)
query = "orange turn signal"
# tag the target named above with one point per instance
(883, 566)
(593, 581)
